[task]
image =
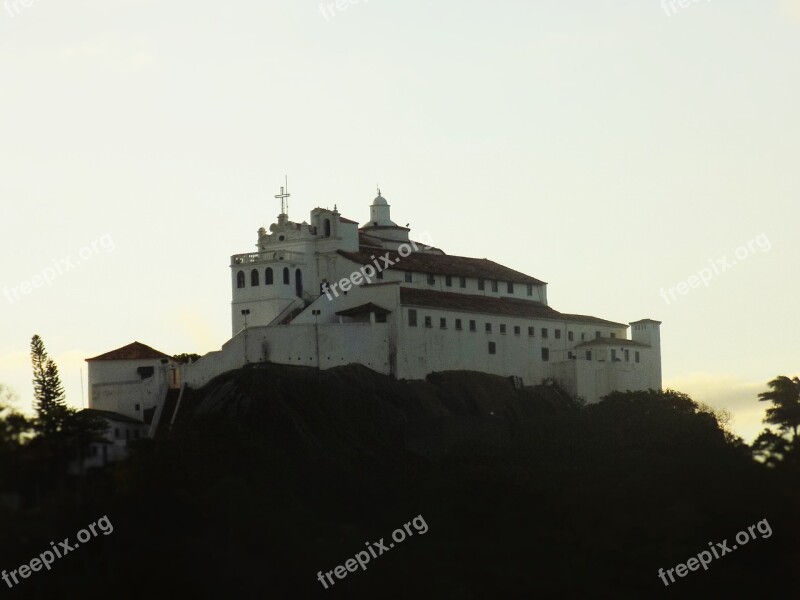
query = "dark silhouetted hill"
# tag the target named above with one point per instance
(273, 473)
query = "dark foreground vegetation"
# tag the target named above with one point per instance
(272, 474)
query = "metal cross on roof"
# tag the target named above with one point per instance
(284, 196)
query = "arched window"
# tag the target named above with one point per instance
(254, 277)
(286, 275)
(268, 276)
(240, 279)
(327, 228)
(298, 283)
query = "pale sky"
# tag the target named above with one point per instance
(608, 148)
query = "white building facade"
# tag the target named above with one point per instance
(129, 387)
(131, 380)
(327, 292)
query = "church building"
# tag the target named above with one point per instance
(328, 292)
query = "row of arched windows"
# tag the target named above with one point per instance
(255, 275)
(268, 278)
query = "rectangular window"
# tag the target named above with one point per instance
(494, 286)
(570, 355)
(558, 334)
(545, 354)
(613, 335)
(462, 282)
(530, 289)
(458, 323)
(492, 348)
(412, 317)
(431, 279)
(613, 355)
(588, 355)
(136, 407)
(544, 333)
(116, 433)
(502, 328)
(443, 323)
(481, 284)
(583, 336)
(409, 277)
(380, 318)
(428, 322)
(380, 275)
(510, 287)
(627, 356)
(636, 356)
(472, 325)
(488, 328)
(517, 329)
(570, 336)
(448, 281)
(597, 334)
(531, 331)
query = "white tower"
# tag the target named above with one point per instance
(379, 212)
(648, 331)
(381, 225)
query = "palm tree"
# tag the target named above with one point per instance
(785, 410)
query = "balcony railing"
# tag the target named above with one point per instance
(269, 256)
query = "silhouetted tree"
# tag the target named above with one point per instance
(63, 433)
(49, 403)
(773, 449)
(785, 409)
(184, 358)
(780, 448)
(15, 428)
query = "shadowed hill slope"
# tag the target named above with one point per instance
(273, 473)
(354, 410)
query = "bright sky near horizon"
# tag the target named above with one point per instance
(618, 150)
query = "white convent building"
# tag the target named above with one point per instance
(327, 292)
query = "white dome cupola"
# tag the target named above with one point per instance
(379, 212)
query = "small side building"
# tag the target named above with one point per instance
(114, 445)
(132, 381)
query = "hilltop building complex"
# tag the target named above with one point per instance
(329, 292)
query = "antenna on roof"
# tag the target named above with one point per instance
(284, 196)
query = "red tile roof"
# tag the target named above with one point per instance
(368, 228)
(343, 220)
(512, 307)
(134, 351)
(442, 264)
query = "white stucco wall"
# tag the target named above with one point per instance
(593, 379)
(296, 344)
(648, 331)
(425, 349)
(116, 386)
